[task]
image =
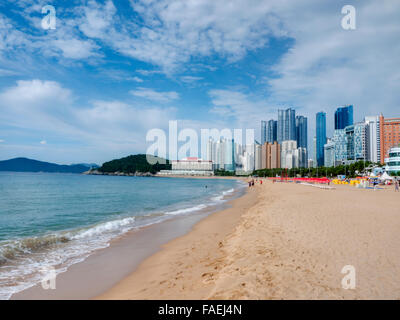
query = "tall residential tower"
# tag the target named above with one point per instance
(321, 137)
(343, 117)
(286, 125)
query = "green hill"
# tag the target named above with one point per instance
(133, 164)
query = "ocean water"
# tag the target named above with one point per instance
(56, 220)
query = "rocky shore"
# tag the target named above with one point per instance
(119, 173)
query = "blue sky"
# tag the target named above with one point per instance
(90, 90)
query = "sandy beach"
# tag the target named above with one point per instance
(280, 241)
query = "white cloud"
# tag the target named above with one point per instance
(28, 44)
(102, 129)
(328, 66)
(154, 95)
(190, 79)
(240, 110)
(148, 72)
(97, 19)
(136, 79)
(6, 72)
(75, 49)
(168, 33)
(37, 104)
(117, 115)
(1, 140)
(34, 94)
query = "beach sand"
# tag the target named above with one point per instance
(280, 241)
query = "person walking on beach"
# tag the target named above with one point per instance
(396, 185)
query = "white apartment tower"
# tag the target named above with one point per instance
(373, 138)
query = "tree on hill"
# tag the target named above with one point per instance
(135, 163)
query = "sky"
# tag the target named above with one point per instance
(90, 89)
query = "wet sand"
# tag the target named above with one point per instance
(280, 241)
(106, 267)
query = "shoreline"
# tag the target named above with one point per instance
(289, 241)
(211, 229)
(277, 241)
(123, 254)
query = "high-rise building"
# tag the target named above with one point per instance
(257, 156)
(271, 155)
(292, 156)
(373, 138)
(329, 154)
(286, 125)
(222, 154)
(389, 135)
(301, 131)
(351, 143)
(247, 158)
(272, 127)
(321, 137)
(343, 117)
(239, 150)
(210, 150)
(263, 131)
(229, 164)
(314, 152)
(288, 156)
(360, 141)
(218, 156)
(340, 143)
(356, 142)
(301, 158)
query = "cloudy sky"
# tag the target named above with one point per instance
(90, 90)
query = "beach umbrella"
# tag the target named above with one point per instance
(385, 176)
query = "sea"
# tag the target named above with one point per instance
(50, 220)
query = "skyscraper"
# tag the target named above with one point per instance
(329, 154)
(286, 125)
(321, 137)
(374, 139)
(263, 132)
(230, 164)
(301, 131)
(222, 154)
(339, 139)
(271, 155)
(389, 135)
(257, 156)
(314, 151)
(343, 117)
(272, 126)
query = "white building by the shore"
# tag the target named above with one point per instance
(191, 166)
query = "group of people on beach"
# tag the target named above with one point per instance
(251, 182)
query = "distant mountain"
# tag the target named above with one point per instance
(29, 165)
(134, 164)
